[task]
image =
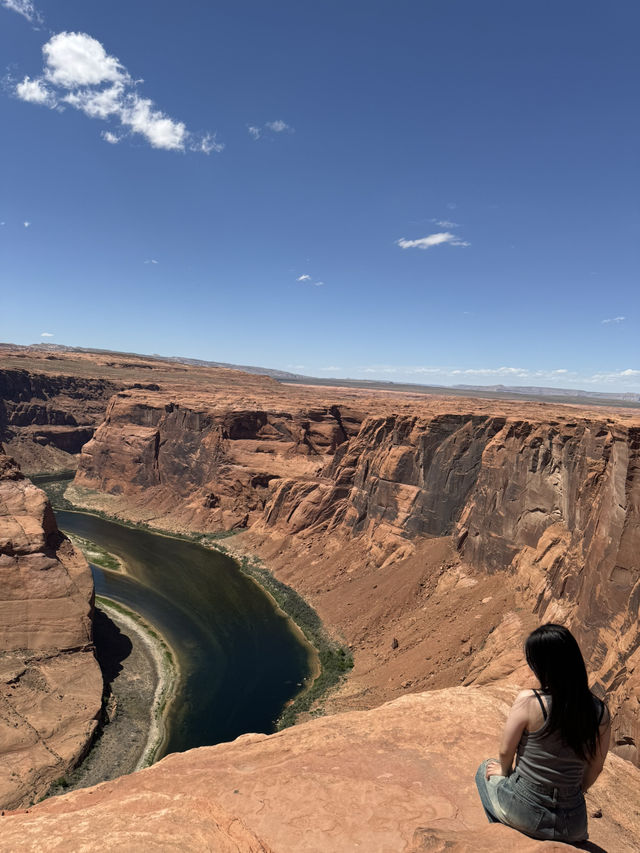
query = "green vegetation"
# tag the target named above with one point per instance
(95, 553)
(335, 660)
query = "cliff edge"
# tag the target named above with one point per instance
(396, 778)
(50, 682)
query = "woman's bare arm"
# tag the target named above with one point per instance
(594, 768)
(517, 722)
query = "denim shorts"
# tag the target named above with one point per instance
(536, 810)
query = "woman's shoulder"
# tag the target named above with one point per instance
(529, 695)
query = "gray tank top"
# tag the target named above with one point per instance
(545, 759)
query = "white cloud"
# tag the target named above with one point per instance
(445, 223)
(46, 335)
(561, 377)
(77, 59)
(304, 277)
(432, 240)
(25, 8)
(613, 320)
(331, 368)
(152, 261)
(35, 92)
(318, 283)
(27, 224)
(101, 103)
(207, 144)
(78, 72)
(278, 126)
(616, 376)
(161, 132)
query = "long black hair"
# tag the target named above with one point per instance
(555, 658)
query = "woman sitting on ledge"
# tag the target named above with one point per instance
(561, 735)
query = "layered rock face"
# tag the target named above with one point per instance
(554, 505)
(45, 419)
(399, 777)
(212, 467)
(50, 682)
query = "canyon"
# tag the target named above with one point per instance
(429, 533)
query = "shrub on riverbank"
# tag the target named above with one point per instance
(335, 660)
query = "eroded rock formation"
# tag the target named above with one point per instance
(50, 683)
(208, 466)
(45, 419)
(398, 777)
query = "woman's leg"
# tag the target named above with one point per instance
(482, 783)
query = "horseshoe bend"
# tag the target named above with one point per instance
(430, 533)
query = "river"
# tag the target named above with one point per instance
(240, 658)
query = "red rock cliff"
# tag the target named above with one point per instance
(50, 683)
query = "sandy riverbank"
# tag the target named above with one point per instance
(167, 674)
(141, 674)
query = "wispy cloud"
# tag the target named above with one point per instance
(78, 72)
(431, 240)
(458, 373)
(331, 369)
(629, 375)
(277, 126)
(27, 224)
(24, 8)
(559, 377)
(47, 335)
(613, 320)
(152, 261)
(305, 277)
(445, 223)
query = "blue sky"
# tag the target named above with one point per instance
(415, 191)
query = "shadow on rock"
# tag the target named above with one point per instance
(112, 646)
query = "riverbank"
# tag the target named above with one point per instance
(167, 674)
(140, 674)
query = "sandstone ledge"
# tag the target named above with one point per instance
(396, 778)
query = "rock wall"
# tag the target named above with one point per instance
(210, 467)
(50, 683)
(45, 419)
(398, 777)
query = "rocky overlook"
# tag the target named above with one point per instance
(396, 778)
